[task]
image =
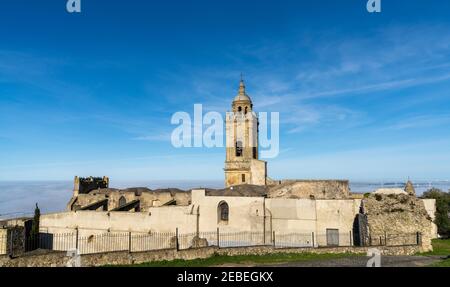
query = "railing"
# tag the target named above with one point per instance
(294, 240)
(152, 241)
(244, 239)
(132, 242)
(395, 239)
(49, 241)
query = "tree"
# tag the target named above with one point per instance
(442, 209)
(36, 218)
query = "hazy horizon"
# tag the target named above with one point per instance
(18, 198)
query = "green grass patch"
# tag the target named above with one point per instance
(246, 259)
(441, 247)
(443, 263)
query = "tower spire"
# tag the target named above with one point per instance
(242, 86)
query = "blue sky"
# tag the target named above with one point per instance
(361, 96)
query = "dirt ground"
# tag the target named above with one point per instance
(355, 261)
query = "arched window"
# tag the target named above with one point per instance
(223, 212)
(239, 109)
(238, 148)
(122, 201)
(246, 110)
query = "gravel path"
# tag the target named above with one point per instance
(361, 261)
(353, 261)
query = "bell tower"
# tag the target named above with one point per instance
(242, 164)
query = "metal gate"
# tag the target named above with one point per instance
(332, 237)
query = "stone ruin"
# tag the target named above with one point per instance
(397, 219)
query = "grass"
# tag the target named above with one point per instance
(443, 263)
(275, 258)
(441, 247)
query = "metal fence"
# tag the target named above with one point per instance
(243, 239)
(293, 240)
(132, 242)
(152, 241)
(395, 239)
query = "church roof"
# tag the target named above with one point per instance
(242, 95)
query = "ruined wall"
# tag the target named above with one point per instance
(336, 214)
(147, 198)
(3, 241)
(85, 185)
(160, 219)
(245, 213)
(311, 189)
(292, 215)
(258, 172)
(398, 214)
(281, 215)
(430, 206)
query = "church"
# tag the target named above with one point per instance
(250, 201)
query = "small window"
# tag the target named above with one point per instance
(255, 153)
(243, 178)
(238, 148)
(239, 109)
(223, 211)
(246, 110)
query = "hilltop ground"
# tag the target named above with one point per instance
(440, 257)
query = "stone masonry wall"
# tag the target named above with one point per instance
(399, 214)
(311, 189)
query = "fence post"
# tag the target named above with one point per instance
(418, 238)
(76, 238)
(385, 239)
(381, 241)
(129, 242)
(218, 238)
(313, 240)
(351, 239)
(176, 240)
(11, 248)
(273, 240)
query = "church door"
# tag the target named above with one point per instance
(332, 237)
